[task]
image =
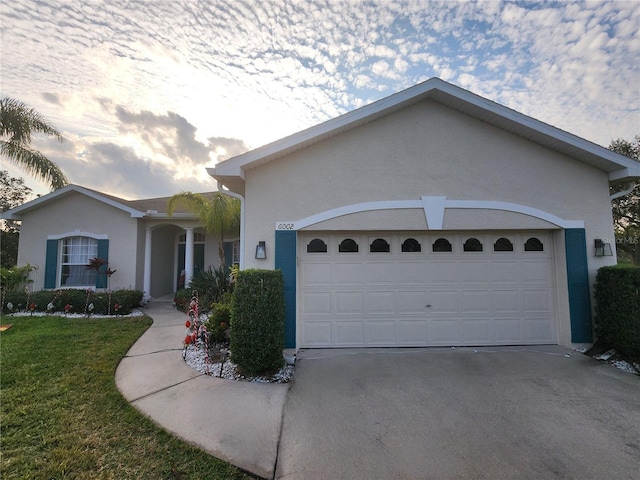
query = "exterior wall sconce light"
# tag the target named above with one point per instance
(603, 249)
(261, 251)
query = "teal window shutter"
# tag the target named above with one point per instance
(51, 264)
(578, 285)
(103, 253)
(285, 260)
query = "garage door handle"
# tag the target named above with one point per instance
(428, 305)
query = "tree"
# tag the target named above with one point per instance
(17, 123)
(13, 192)
(626, 209)
(219, 213)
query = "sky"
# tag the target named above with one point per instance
(149, 93)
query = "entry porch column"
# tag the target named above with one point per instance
(188, 256)
(146, 285)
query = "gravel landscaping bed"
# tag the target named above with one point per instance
(196, 358)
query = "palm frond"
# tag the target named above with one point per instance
(34, 163)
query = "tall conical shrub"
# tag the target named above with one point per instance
(257, 322)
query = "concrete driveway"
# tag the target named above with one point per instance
(512, 412)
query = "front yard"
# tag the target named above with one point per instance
(63, 417)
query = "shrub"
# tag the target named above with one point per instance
(181, 299)
(15, 278)
(219, 321)
(617, 297)
(74, 301)
(211, 285)
(257, 322)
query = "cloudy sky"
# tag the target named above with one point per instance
(149, 93)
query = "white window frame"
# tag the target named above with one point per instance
(89, 250)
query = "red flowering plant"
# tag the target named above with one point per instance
(100, 265)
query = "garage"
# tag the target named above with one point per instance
(383, 289)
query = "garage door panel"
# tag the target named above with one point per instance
(505, 271)
(347, 274)
(473, 272)
(507, 301)
(349, 332)
(536, 272)
(379, 273)
(444, 331)
(444, 301)
(412, 332)
(409, 273)
(441, 272)
(379, 302)
(412, 302)
(509, 330)
(427, 298)
(349, 303)
(539, 329)
(381, 332)
(475, 301)
(317, 333)
(477, 331)
(316, 274)
(317, 303)
(537, 300)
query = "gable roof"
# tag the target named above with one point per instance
(620, 168)
(156, 207)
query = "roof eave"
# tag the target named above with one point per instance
(17, 212)
(623, 175)
(439, 91)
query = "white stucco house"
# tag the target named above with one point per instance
(431, 217)
(63, 230)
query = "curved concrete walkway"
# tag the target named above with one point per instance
(239, 422)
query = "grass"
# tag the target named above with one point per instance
(62, 416)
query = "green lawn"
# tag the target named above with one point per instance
(63, 417)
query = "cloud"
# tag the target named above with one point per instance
(181, 84)
(169, 135)
(51, 98)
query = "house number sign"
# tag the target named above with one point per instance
(286, 226)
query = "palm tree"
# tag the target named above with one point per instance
(218, 213)
(18, 122)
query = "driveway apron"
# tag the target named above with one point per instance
(509, 412)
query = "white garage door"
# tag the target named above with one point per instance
(426, 289)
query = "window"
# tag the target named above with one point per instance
(75, 256)
(348, 246)
(472, 245)
(317, 245)
(379, 245)
(503, 245)
(411, 245)
(533, 245)
(235, 255)
(197, 238)
(441, 245)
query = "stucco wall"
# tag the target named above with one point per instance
(79, 213)
(424, 150)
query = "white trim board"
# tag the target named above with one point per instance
(434, 208)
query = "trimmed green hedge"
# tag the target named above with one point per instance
(617, 297)
(257, 322)
(74, 301)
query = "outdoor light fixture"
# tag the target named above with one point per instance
(261, 251)
(603, 249)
